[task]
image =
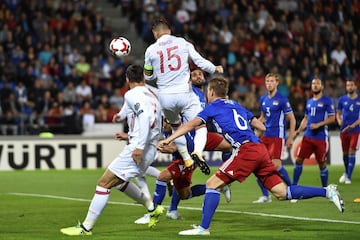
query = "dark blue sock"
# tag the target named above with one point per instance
(211, 202)
(297, 173)
(225, 156)
(197, 190)
(174, 201)
(346, 161)
(264, 191)
(324, 175)
(284, 175)
(304, 192)
(351, 165)
(160, 191)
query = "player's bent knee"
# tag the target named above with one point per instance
(279, 191)
(184, 193)
(164, 175)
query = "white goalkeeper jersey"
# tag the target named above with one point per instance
(169, 59)
(143, 113)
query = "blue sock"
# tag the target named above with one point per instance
(211, 202)
(346, 161)
(297, 173)
(324, 175)
(225, 156)
(160, 191)
(351, 165)
(197, 190)
(264, 191)
(284, 175)
(304, 192)
(174, 201)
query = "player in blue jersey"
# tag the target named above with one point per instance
(348, 118)
(249, 156)
(275, 110)
(319, 113)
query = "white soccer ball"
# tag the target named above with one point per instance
(120, 46)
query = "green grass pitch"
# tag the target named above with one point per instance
(36, 204)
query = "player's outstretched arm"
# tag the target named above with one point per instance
(183, 129)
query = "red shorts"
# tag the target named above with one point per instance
(274, 145)
(213, 140)
(349, 141)
(181, 175)
(250, 158)
(318, 147)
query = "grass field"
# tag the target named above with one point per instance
(36, 204)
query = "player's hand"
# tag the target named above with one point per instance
(289, 142)
(162, 143)
(121, 136)
(314, 126)
(137, 155)
(115, 118)
(171, 148)
(219, 69)
(347, 128)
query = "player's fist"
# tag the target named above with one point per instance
(162, 144)
(219, 69)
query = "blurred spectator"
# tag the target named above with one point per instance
(117, 98)
(87, 114)
(45, 55)
(83, 92)
(101, 113)
(112, 111)
(9, 124)
(240, 89)
(338, 54)
(54, 114)
(258, 78)
(82, 67)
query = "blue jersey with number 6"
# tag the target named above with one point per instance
(231, 120)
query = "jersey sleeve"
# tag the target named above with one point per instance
(249, 114)
(286, 106)
(306, 113)
(122, 114)
(330, 107)
(340, 104)
(148, 66)
(204, 114)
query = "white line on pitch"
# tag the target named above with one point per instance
(191, 208)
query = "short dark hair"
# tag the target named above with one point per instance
(135, 73)
(161, 22)
(220, 86)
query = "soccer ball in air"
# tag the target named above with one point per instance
(120, 46)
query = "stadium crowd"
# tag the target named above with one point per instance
(56, 70)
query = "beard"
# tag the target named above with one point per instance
(316, 92)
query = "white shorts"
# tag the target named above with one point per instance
(125, 168)
(175, 104)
